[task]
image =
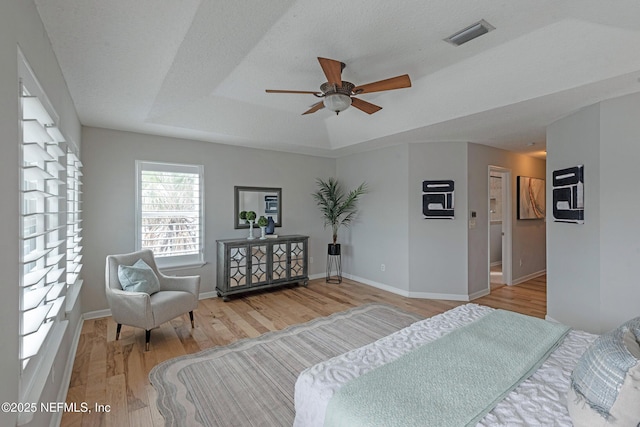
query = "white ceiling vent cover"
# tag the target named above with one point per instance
(471, 32)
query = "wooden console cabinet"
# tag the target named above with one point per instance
(247, 265)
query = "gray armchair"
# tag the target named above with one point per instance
(177, 296)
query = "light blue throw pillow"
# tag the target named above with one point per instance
(605, 384)
(138, 278)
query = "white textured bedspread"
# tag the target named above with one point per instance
(538, 401)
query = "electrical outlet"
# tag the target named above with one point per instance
(520, 262)
(310, 260)
(383, 267)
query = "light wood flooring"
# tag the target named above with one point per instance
(495, 277)
(115, 373)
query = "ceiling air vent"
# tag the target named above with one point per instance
(471, 32)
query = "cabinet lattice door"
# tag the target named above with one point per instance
(259, 264)
(279, 261)
(237, 267)
(298, 255)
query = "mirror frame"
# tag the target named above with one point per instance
(236, 212)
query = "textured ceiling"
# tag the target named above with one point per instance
(198, 69)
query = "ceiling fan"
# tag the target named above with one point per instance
(338, 95)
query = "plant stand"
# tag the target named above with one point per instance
(251, 237)
(334, 264)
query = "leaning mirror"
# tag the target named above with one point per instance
(264, 201)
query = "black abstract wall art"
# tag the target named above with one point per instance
(568, 195)
(437, 199)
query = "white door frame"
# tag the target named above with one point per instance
(506, 225)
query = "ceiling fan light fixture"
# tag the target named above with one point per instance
(337, 102)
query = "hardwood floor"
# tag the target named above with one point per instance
(115, 373)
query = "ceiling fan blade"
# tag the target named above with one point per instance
(315, 107)
(365, 106)
(332, 70)
(293, 91)
(398, 82)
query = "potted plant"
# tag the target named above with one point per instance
(337, 206)
(243, 216)
(262, 223)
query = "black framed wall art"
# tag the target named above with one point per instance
(568, 195)
(437, 199)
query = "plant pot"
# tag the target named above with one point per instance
(333, 249)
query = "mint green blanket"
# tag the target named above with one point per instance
(452, 381)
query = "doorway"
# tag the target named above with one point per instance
(499, 227)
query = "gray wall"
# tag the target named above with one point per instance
(527, 236)
(619, 208)
(573, 253)
(438, 247)
(592, 281)
(434, 258)
(20, 25)
(109, 197)
(379, 234)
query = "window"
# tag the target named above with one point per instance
(169, 212)
(43, 236)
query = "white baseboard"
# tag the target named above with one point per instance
(377, 285)
(207, 295)
(431, 295)
(529, 277)
(97, 314)
(479, 294)
(408, 294)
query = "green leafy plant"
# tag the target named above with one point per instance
(337, 206)
(262, 221)
(243, 215)
(251, 215)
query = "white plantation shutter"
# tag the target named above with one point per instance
(170, 212)
(74, 222)
(46, 194)
(43, 233)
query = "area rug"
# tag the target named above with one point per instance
(251, 382)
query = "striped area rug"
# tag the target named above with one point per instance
(251, 382)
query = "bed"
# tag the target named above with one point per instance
(540, 399)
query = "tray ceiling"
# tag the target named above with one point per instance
(199, 69)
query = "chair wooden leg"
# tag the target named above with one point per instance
(147, 337)
(191, 317)
(118, 331)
